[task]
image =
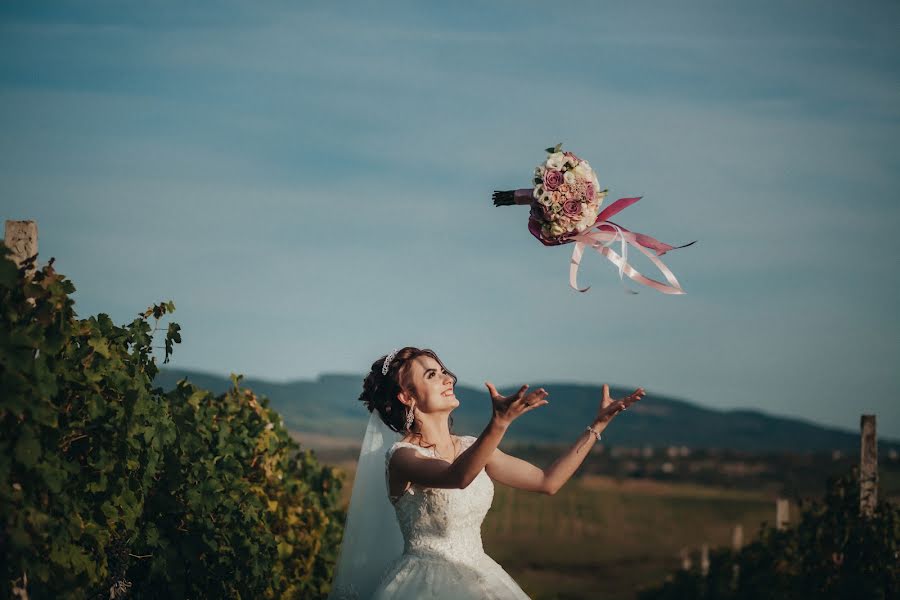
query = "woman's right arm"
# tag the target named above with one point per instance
(410, 465)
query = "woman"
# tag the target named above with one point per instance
(438, 485)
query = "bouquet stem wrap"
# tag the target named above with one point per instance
(600, 237)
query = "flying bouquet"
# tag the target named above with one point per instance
(565, 207)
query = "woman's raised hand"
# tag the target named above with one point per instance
(609, 407)
(508, 408)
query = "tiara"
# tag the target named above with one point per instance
(387, 361)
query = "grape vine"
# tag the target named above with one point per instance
(114, 488)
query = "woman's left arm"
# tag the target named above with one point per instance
(521, 474)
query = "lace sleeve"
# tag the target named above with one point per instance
(397, 446)
(387, 467)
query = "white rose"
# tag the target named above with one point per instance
(555, 161)
(569, 177)
(587, 222)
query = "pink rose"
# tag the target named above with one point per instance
(552, 179)
(589, 191)
(572, 208)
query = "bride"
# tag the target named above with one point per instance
(420, 493)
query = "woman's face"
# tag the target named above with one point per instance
(432, 386)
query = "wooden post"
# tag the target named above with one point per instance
(737, 538)
(737, 542)
(22, 238)
(704, 560)
(868, 466)
(782, 516)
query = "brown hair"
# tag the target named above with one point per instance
(380, 391)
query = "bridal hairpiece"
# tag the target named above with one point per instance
(387, 361)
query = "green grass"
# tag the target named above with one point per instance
(598, 539)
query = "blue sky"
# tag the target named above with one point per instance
(312, 186)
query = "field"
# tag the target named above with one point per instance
(604, 538)
(600, 538)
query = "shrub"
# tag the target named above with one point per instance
(832, 552)
(111, 485)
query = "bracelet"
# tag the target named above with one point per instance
(596, 433)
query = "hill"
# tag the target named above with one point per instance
(328, 405)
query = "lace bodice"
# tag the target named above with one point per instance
(442, 522)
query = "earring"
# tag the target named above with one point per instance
(409, 419)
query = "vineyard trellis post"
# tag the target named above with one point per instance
(868, 466)
(782, 513)
(868, 499)
(737, 537)
(22, 238)
(737, 542)
(704, 560)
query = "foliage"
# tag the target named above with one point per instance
(108, 483)
(833, 552)
(230, 517)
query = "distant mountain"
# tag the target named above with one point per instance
(329, 405)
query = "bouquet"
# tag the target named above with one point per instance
(565, 200)
(565, 207)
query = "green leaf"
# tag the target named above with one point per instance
(109, 511)
(152, 535)
(9, 274)
(172, 337)
(100, 346)
(28, 448)
(284, 550)
(53, 476)
(99, 485)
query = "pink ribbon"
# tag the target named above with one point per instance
(603, 234)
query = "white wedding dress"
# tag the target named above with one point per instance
(443, 557)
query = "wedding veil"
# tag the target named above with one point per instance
(372, 538)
